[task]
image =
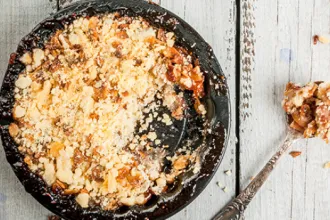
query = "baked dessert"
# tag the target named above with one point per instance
(308, 108)
(81, 99)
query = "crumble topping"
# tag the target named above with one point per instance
(80, 99)
(308, 107)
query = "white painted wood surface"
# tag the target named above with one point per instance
(280, 34)
(215, 20)
(276, 46)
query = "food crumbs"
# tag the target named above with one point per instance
(326, 165)
(228, 172)
(219, 184)
(315, 39)
(295, 154)
(324, 40)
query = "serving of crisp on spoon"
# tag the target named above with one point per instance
(308, 113)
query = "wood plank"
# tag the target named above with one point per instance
(215, 21)
(282, 31)
(17, 18)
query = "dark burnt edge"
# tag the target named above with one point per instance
(55, 203)
(237, 94)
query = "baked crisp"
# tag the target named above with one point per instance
(80, 99)
(309, 108)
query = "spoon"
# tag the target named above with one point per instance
(235, 209)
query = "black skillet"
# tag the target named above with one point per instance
(210, 133)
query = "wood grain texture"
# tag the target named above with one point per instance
(17, 18)
(283, 31)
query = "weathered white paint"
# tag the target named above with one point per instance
(17, 18)
(213, 19)
(298, 188)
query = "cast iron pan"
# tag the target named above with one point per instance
(210, 133)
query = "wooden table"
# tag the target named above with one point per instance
(261, 45)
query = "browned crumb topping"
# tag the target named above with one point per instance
(309, 108)
(79, 100)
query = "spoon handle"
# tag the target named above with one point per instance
(235, 209)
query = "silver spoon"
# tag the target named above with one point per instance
(235, 209)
